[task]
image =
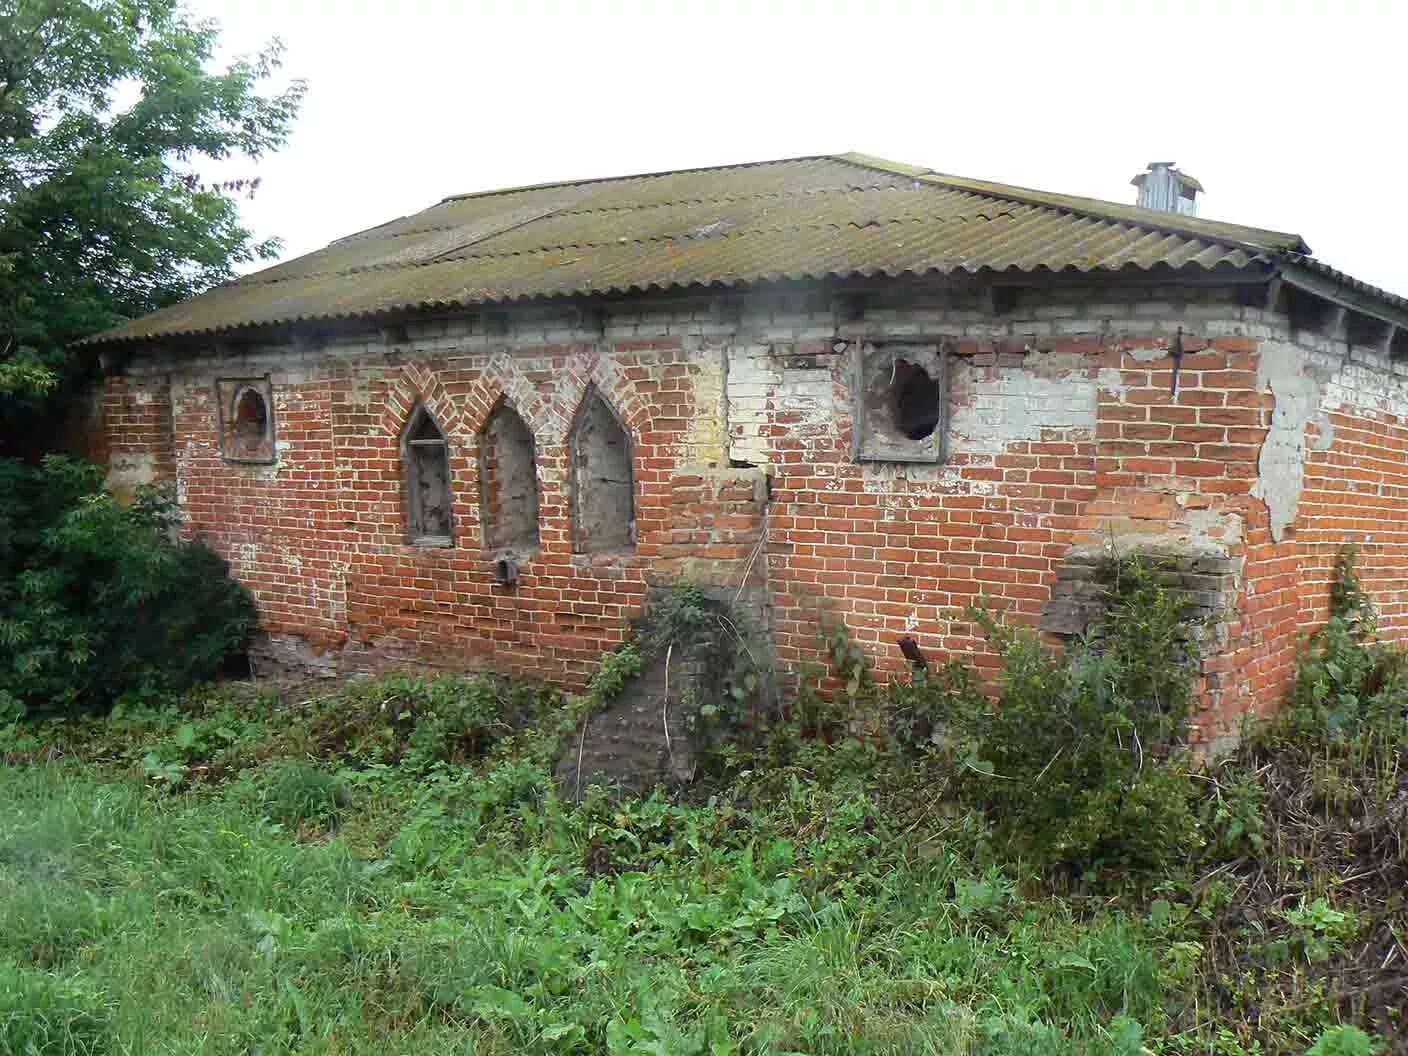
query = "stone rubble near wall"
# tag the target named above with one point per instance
(627, 745)
(643, 738)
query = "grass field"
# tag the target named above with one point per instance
(237, 876)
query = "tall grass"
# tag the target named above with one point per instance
(139, 921)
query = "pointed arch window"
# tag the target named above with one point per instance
(603, 487)
(425, 465)
(508, 481)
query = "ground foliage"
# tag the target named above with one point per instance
(385, 867)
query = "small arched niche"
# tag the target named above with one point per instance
(246, 419)
(251, 417)
(425, 465)
(508, 481)
(603, 486)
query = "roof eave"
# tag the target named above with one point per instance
(1345, 291)
(1256, 271)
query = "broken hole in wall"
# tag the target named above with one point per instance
(914, 400)
(508, 481)
(901, 402)
(603, 489)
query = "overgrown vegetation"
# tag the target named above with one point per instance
(1078, 758)
(97, 603)
(388, 869)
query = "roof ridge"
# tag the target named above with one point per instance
(1221, 231)
(585, 182)
(720, 199)
(636, 176)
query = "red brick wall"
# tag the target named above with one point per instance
(1065, 438)
(1356, 490)
(320, 539)
(280, 526)
(1171, 472)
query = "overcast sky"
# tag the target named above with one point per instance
(1290, 113)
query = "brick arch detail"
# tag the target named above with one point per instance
(500, 381)
(592, 370)
(417, 384)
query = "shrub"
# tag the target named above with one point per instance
(1075, 759)
(419, 720)
(97, 602)
(1347, 683)
(42, 1015)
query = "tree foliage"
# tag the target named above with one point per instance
(108, 110)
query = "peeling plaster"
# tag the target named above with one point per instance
(1299, 389)
(129, 471)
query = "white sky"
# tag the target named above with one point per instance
(1290, 113)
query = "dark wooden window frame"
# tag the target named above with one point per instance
(410, 479)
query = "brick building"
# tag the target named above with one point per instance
(476, 436)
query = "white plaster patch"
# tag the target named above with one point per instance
(1293, 381)
(991, 412)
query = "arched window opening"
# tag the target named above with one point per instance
(425, 460)
(251, 417)
(603, 490)
(508, 482)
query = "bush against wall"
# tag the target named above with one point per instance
(1075, 755)
(96, 600)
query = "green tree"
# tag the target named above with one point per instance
(108, 111)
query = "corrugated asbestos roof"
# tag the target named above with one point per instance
(834, 216)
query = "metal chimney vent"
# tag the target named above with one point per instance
(1163, 187)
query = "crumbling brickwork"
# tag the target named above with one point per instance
(1061, 432)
